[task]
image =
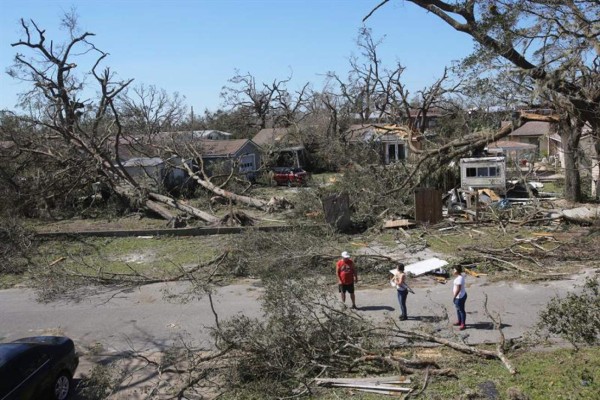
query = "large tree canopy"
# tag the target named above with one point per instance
(555, 44)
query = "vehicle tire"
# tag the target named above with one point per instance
(61, 389)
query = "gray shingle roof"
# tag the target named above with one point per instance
(534, 128)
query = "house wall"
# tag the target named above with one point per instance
(250, 148)
(223, 164)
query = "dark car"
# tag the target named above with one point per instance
(39, 367)
(289, 176)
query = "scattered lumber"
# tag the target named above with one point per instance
(380, 385)
(473, 273)
(382, 392)
(375, 380)
(384, 388)
(398, 223)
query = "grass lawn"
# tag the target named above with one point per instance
(542, 375)
(148, 255)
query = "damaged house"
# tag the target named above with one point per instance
(283, 145)
(389, 141)
(145, 159)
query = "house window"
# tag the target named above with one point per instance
(391, 152)
(401, 155)
(395, 152)
(482, 172)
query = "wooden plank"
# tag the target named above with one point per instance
(374, 380)
(398, 223)
(473, 273)
(383, 392)
(374, 387)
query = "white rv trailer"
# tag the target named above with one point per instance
(483, 172)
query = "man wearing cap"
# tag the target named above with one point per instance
(347, 277)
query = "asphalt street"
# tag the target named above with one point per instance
(143, 320)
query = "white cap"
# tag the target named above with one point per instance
(345, 254)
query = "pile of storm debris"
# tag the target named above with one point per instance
(390, 385)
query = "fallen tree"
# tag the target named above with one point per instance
(90, 129)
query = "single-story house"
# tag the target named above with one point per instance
(285, 143)
(141, 156)
(156, 172)
(389, 140)
(241, 152)
(537, 133)
(429, 121)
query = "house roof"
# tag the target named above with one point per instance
(143, 162)
(365, 133)
(511, 145)
(221, 148)
(534, 128)
(271, 136)
(206, 133)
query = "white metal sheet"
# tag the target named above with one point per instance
(423, 267)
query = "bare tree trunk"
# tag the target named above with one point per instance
(249, 201)
(185, 208)
(570, 135)
(160, 210)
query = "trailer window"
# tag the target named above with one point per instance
(482, 171)
(471, 172)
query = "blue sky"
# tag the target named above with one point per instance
(194, 46)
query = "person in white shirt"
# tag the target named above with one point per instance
(459, 297)
(402, 290)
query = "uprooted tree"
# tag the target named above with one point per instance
(83, 135)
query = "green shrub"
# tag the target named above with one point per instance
(576, 317)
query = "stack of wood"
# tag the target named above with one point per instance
(387, 385)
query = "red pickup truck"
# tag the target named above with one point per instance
(289, 176)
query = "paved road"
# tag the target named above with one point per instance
(141, 319)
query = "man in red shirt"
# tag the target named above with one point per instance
(347, 277)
